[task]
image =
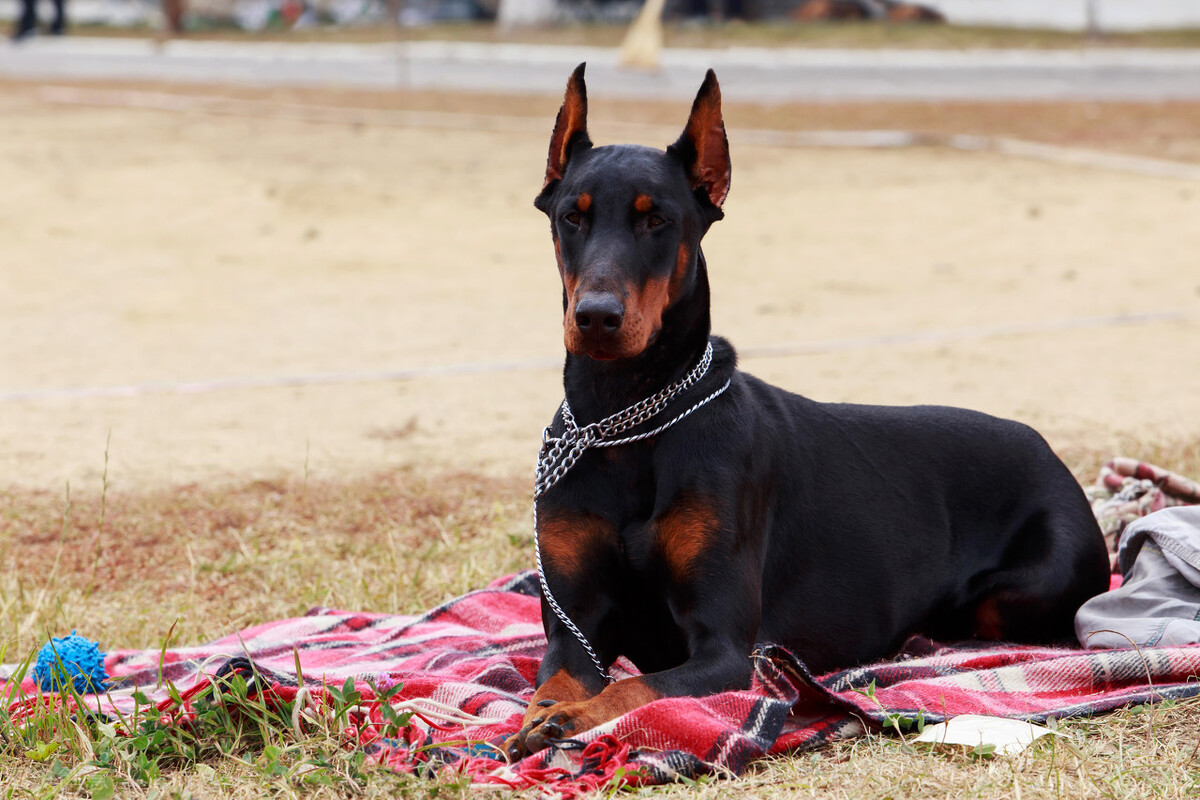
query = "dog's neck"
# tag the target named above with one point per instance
(596, 389)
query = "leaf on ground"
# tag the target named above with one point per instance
(989, 735)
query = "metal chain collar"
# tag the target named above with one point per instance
(559, 454)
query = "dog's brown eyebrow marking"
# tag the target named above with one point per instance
(583, 202)
(643, 203)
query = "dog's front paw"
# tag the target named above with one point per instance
(514, 748)
(562, 721)
(553, 722)
(547, 721)
(517, 746)
(559, 689)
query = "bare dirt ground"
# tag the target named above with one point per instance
(148, 247)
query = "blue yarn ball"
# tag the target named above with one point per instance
(73, 659)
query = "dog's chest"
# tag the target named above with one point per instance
(637, 547)
(619, 488)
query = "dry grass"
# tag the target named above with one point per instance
(1085, 459)
(1131, 754)
(220, 559)
(123, 568)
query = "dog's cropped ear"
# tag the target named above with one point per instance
(703, 147)
(570, 129)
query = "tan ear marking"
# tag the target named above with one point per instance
(704, 145)
(569, 126)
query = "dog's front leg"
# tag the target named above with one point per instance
(574, 548)
(714, 597)
(706, 672)
(566, 676)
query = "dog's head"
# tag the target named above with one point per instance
(627, 222)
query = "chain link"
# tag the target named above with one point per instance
(559, 454)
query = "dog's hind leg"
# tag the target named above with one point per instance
(1055, 563)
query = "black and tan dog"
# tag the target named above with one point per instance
(835, 530)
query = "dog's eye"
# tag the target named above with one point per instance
(572, 217)
(655, 221)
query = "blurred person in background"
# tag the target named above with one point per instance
(27, 22)
(173, 16)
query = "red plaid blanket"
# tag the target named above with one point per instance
(468, 667)
(467, 670)
(1127, 489)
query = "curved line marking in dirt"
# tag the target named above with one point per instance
(480, 368)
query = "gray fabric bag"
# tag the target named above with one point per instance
(1159, 601)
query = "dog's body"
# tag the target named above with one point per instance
(835, 530)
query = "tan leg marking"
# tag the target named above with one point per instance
(684, 532)
(570, 542)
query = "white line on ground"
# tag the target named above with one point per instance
(477, 368)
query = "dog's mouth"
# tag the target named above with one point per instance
(597, 351)
(601, 351)
(619, 336)
(608, 348)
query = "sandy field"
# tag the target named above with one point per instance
(146, 256)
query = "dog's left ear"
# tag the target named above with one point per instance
(703, 147)
(570, 132)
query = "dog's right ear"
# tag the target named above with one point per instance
(570, 133)
(703, 147)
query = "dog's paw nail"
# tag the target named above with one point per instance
(514, 749)
(545, 703)
(533, 723)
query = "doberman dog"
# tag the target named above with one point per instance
(686, 510)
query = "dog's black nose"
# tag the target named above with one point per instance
(599, 313)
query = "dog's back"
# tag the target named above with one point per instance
(925, 519)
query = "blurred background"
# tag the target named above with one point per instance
(255, 239)
(1065, 15)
